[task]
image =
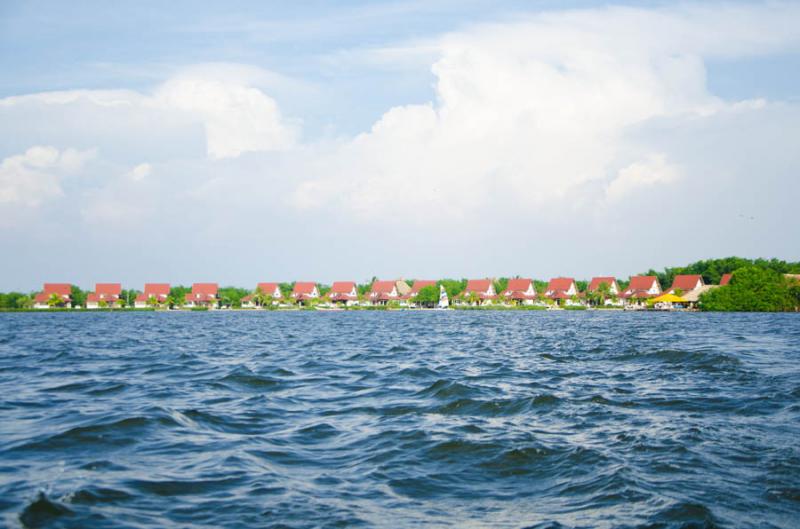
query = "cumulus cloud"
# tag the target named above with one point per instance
(539, 138)
(529, 114)
(236, 116)
(33, 177)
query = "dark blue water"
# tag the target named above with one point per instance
(450, 419)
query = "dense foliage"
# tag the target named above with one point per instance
(713, 269)
(428, 296)
(756, 289)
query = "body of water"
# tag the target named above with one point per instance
(399, 419)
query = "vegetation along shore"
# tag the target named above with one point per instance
(728, 284)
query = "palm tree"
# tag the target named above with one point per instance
(260, 298)
(55, 300)
(152, 301)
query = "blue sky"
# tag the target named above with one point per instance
(420, 139)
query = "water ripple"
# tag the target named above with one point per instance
(400, 419)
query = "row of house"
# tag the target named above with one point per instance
(520, 291)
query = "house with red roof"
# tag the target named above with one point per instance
(686, 283)
(613, 288)
(562, 290)
(418, 285)
(725, 279)
(382, 292)
(271, 290)
(520, 291)
(343, 293)
(62, 290)
(641, 288)
(159, 292)
(202, 295)
(304, 291)
(481, 290)
(104, 295)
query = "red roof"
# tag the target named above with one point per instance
(303, 288)
(517, 289)
(519, 284)
(382, 287)
(640, 286)
(342, 287)
(725, 279)
(156, 289)
(419, 284)
(268, 288)
(597, 281)
(642, 282)
(561, 283)
(208, 289)
(160, 291)
(478, 286)
(108, 289)
(686, 282)
(62, 289)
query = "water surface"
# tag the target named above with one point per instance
(399, 419)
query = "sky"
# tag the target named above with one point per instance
(240, 142)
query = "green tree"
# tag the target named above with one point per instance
(428, 296)
(24, 302)
(453, 287)
(260, 298)
(77, 296)
(152, 302)
(55, 301)
(178, 295)
(752, 289)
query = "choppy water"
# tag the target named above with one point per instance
(458, 419)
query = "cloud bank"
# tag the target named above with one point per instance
(558, 143)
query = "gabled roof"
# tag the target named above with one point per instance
(642, 283)
(519, 284)
(478, 286)
(561, 283)
(303, 288)
(597, 281)
(108, 289)
(383, 287)
(419, 284)
(640, 286)
(687, 282)
(342, 287)
(268, 288)
(156, 289)
(725, 279)
(517, 289)
(209, 289)
(62, 289)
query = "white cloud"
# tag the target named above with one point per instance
(237, 117)
(528, 114)
(642, 174)
(140, 172)
(538, 136)
(33, 177)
